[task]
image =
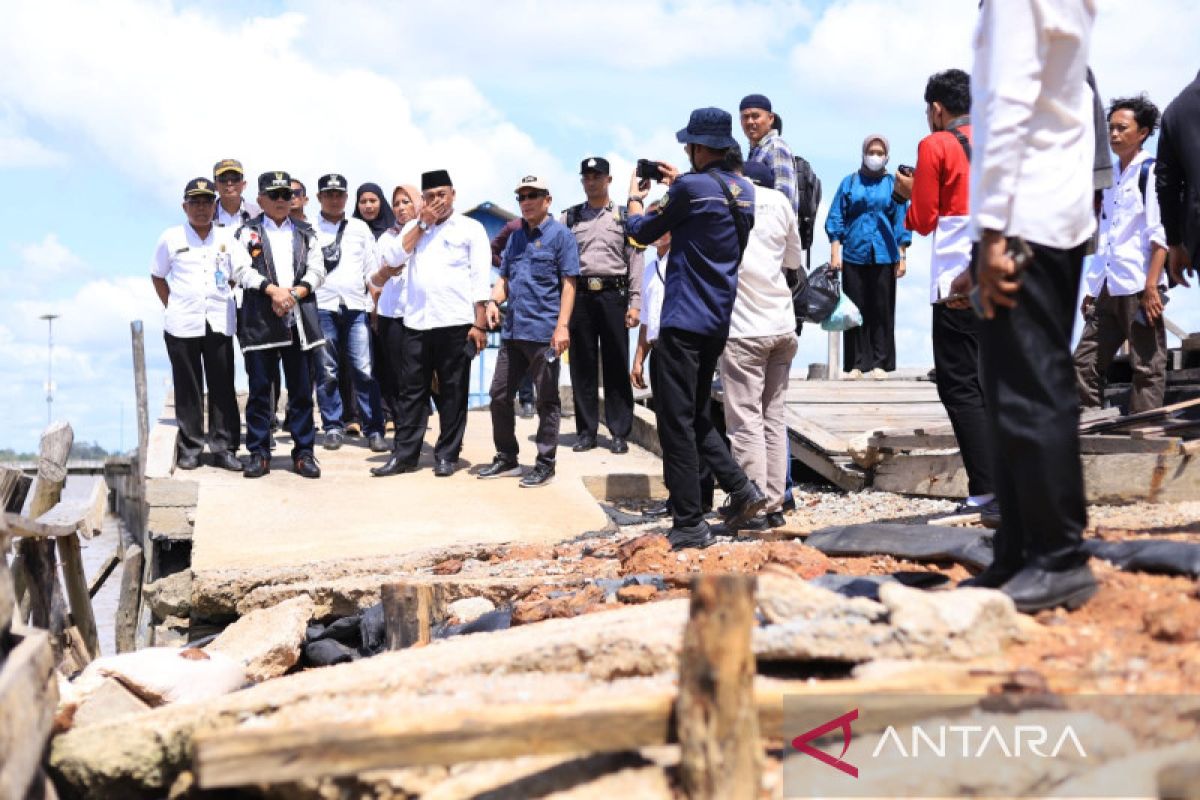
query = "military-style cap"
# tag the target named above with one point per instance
(532, 182)
(274, 180)
(332, 182)
(199, 187)
(594, 164)
(435, 179)
(227, 165)
(759, 174)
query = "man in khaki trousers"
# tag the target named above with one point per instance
(762, 343)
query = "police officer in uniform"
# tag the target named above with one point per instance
(608, 304)
(278, 321)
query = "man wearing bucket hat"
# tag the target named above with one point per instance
(709, 213)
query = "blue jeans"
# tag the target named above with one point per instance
(346, 332)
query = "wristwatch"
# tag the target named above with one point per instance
(423, 225)
(295, 293)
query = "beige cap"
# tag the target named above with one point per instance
(532, 182)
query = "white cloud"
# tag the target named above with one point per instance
(48, 261)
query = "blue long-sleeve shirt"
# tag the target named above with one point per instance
(702, 271)
(866, 221)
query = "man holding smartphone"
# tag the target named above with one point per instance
(1031, 182)
(940, 206)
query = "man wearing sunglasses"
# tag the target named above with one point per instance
(232, 209)
(278, 322)
(449, 263)
(191, 274)
(538, 272)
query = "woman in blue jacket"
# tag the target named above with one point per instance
(869, 240)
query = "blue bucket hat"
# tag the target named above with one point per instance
(710, 127)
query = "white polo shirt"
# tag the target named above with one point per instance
(652, 291)
(248, 211)
(394, 293)
(189, 265)
(347, 283)
(449, 271)
(763, 304)
(1130, 226)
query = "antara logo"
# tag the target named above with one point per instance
(1014, 742)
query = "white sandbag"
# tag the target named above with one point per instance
(162, 675)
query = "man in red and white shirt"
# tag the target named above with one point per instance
(940, 187)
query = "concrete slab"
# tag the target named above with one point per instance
(283, 521)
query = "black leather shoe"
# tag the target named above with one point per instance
(257, 466)
(658, 510)
(187, 462)
(227, 460)
(501, 467)
(393, 466)
(444, 468)
(1033, 589)
(377, 444)
(989, 515)
(991, 578)
(619, 445)
(540, 475)
(776, 519)
(584, 444)
(743, 504)
(333, 439)
(694, 536)
(306, 466)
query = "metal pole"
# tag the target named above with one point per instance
(834, 356)
(49, 365)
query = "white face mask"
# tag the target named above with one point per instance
(874, 163)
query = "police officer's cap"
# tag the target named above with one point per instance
(227, 165)
(710, 127)
(332, 182)
(594, 164)
(274, 180)
(199, 187)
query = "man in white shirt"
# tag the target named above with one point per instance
(1125, 289)
(762, 343)
(299, 201)
(191, 272)
(278, 322)
(343, 306)
(449, 263)
(232, 209)
(1031, 199)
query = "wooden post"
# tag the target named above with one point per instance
(410, 611)
(77, 593)
(47, 608)
(14, 488)
(130, 600)
(716, 715)
(834, 356)
(143, 423)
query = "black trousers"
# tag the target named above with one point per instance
(707, 484)
(517, 362)
(262, 368)
(871, 345)
(446, 353)
(599, 339)
(689, 439)
(956, 366)
(198, 362)
(389, 362)
(1029, 386)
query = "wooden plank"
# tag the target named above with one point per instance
(8, 596)
(34, 529)
(14, 488)
(47, 607)
(28, 696)
(1101, 444)
(1136, 420)
(800, 425)
(715, 715)
(924, 474)
(86, 515)
(895, 442)
(105, 572)
(130, 600)
(825, 466)
(77, 593)
(410, 610)
(257, 755)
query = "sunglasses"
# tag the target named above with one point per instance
(280, 194)
(229, 177)
(201, 200)
(521, 198)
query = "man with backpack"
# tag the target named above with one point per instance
(939, 187)
(1125, 284)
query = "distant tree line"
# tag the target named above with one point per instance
(80, 451)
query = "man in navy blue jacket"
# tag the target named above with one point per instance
(709, 213)
(1177, 178)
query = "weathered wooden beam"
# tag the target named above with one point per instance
(8, 597)
(410, 610)
(28, 697)
(14, 488)
(130, 600)
(26, 528)
(813, 433)
(715, 715)
(105, 572)
(77, 593)
(47, 608)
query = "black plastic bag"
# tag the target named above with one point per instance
(816, 296)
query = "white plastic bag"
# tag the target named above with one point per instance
(844, 317)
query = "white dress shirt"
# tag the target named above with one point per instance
(394, 293)
(449, 271)
(246, 212)
(189, 266)
(1034, 139)
(1129, 228)
(763, 304)
(653, 275)
(346, 285)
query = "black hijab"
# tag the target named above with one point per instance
(386, 218)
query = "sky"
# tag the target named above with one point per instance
(108, 109)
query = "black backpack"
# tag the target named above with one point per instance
(808, 190)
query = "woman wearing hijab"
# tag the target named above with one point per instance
(866, 229)
(389, 284)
